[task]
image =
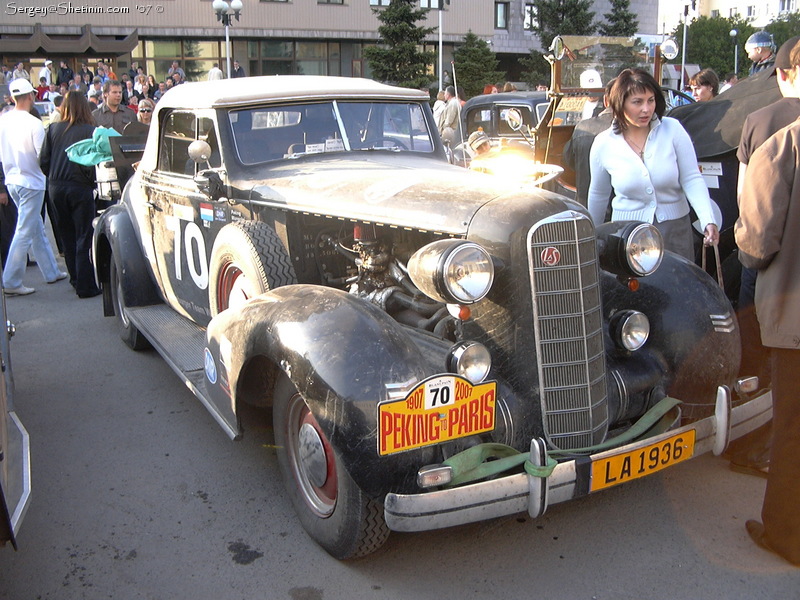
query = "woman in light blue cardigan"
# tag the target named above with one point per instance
(647, 161)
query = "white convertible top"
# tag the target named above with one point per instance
(249, 90)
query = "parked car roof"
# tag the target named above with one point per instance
(247, 90)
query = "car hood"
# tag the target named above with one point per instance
(412, 192)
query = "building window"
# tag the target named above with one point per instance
(530, 17)
(501, 15)
(330, 1)
(379, 2)
(733, 12)
(751, 11)
(787, 6)
(715, 14)
(432, 4)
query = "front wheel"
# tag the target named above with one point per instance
(331, 507)
(132, 337)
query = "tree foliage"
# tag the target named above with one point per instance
(475, 65)
(397, 58)
(620, 21)
(562, 17)
(536, 69)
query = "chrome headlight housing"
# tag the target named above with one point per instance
(629, 329)
(471, 360)
(630, 248)
(452, 271)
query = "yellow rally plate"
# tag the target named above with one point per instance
(441, 408)
(625, 466)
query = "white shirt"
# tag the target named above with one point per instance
(215, 74)
(48, 76)
(653, 190)
(21, 139)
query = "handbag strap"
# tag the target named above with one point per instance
(716, 259)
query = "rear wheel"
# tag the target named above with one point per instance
(127, 330)
(247, 259)
(331, 507)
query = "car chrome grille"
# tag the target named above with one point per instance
(568, 323)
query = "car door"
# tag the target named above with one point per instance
(15, 476)
(182, 216)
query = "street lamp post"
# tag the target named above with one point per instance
(734, 34)
(225, 9)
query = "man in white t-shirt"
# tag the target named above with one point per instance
(21, 139)
(46, 72)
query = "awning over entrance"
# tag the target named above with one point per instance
(61, 45)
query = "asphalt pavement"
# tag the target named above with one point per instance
(138, 494)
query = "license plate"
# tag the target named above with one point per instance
(626, 466)
(439, 409)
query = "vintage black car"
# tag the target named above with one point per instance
(15, 452)
(438, 346)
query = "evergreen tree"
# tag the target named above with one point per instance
(536, 69)
(474, 65)
(620, 21)
(562, 17)
(397, 58)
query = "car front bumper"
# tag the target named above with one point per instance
(571, 479)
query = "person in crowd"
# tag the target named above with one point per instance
(77, 85)
(176, 68)
(215, 73)
(97, 85)
(489, 89)
(160, 91)
(509, 87)
(147, 91)
(237, 70)
(101, 73)
(144, 117)
(169, 82)
(20, 72)
(55, 116)
(129, 94)
(176, 78)
(65, 74)
(704, 85)
(84, 71)
(51, 94)
(45, 72)
(95, 97)
(648, 161)
(760, 48)
(7, 102)
(5, 74)
(151, 81)
(21, 139)
(447, 79)
(110, 72)
(451, 114)
(731, 79)
(113, 113)
(768, 236)
(438, 107)
(42, 89)
(750, 454)
(71, 187)
(576, 151)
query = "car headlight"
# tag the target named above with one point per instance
(630, 329)
(630, 248)
(452, 271)
(471, 360)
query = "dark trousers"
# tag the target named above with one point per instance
(780, 512)
(75, 210)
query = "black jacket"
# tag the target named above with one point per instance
(53, 158)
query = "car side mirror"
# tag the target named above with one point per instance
(200, 151)
(514, 119)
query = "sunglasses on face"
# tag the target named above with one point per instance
(145, 110)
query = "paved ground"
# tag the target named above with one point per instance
(139, 495)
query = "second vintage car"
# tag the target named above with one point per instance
(438, 346)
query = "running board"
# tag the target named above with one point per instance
(181, 343)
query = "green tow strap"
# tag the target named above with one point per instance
(485, 460)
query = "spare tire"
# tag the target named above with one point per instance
(247, 259)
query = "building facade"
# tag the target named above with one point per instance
(319, 37)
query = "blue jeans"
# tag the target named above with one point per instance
(28, 234)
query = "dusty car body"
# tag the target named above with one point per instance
(302, 242)
(15, 460)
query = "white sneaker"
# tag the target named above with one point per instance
(61, 275)
(19, 291)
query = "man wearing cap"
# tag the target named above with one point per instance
(113, 113)
(768, 235)
(21, 139)
(750, 454)
(46, 73)
(760, 48)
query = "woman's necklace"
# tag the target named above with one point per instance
(639, 149)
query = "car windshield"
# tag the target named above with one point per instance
(591, 61)
(291, 131)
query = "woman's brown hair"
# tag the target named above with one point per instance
(627, 83)
(75, 110)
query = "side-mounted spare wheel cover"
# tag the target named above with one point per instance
(247, 259)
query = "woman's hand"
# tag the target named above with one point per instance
(712, 235)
